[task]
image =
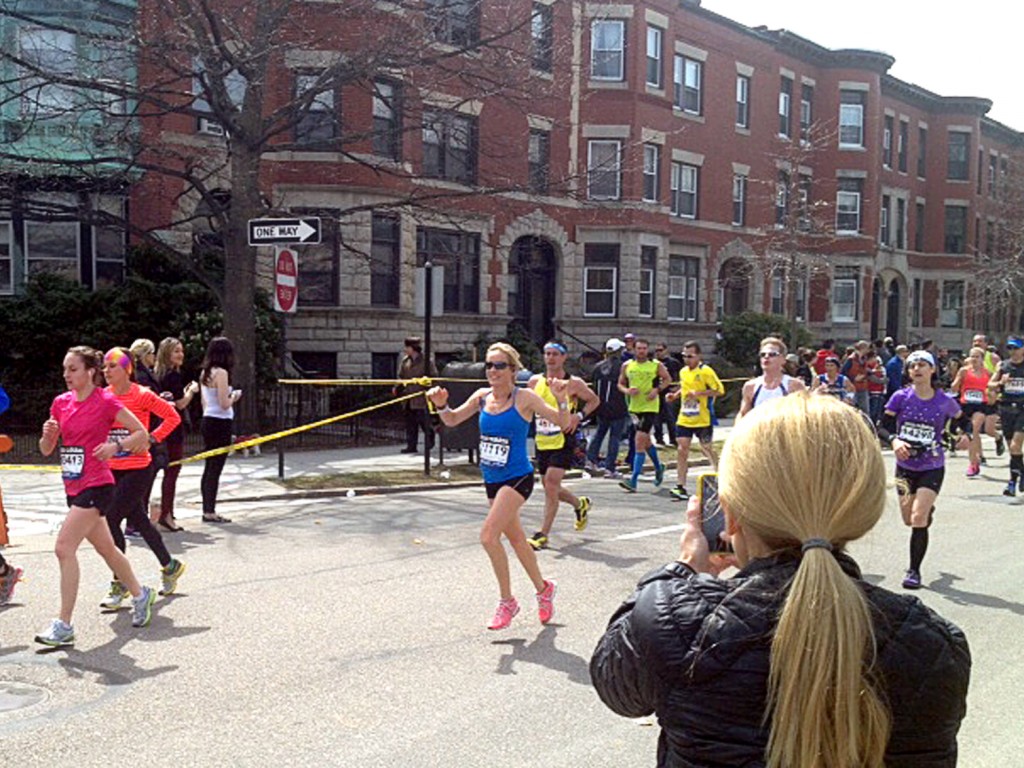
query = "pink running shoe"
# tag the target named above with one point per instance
(546, 602)
(973, 470)
(506, 611)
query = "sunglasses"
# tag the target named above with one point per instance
(499, 366)
(688, 357)
(767, 354)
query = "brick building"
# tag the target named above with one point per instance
(638, 186)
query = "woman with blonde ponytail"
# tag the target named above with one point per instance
(794, 662)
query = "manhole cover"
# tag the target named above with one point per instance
(20, 695)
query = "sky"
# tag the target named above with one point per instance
(950, 48)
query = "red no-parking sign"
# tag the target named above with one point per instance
(286, 279)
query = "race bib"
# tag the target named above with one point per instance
(691, 408)
(974, 396)
(493, 451)
(917, 433)
(1014, 387)
(72, 462)
(545, 427)
(119, 433)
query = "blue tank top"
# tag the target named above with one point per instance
(503, 454)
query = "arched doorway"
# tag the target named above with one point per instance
(892, 312)
(533, 281)
(734, 287)
(876, 307)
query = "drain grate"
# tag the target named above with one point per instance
(20, 696)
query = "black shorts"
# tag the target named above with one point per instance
(100, 497)
(523, 485)
(969, 409)
(908, 481)
(1012, 419)
(559, 458)
(644, 422)
(703, 434)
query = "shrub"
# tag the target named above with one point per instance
(743, 332)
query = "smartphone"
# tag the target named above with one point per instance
(712, 520)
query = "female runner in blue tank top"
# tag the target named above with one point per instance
(505, 414)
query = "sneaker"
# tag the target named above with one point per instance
(627, 485)
(131, 533)
(679, 493)
(1010, 489)
(912, 580)
(659, 475)
(1020, 483)
(170, 575)
(973, 470)
(613, 474)
(59, 634)
(982, 461)
(8, 582)
(592, 468)
(1000, 446)
(142, 607)
(503, 615)
(546, 602)
(538, 541)
(115, 597)
(581, 513)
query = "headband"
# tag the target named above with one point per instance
(119, 356)
(556, 346)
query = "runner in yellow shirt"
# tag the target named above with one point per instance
(698, 386)
(641, 381)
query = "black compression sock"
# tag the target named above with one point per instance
(918, 546)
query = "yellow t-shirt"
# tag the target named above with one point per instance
(694, 412)
(643, 376)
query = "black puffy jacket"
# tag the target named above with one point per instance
(695, 650)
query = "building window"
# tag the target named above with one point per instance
(319, 265)
(600, 279)
(607, 50)
(990, 231)
(844, 295)
(778, 295)
(109, 243)
(781, 199)
(455, 22)
(958, 167)
(848, 207)
(49, 54)
(449, 146)
(915, 304)
(654, 68)
(684, 190)
(385, 260)
(541, 37)
(883, 236)
(952, 304)
(387, 119)
(539, 156)
(851, 118)
(317, 120)
(742, 101)
(800, 299)
(652, 157)
(956, 229)
(52, 246)
(235, 85)
(683, 273)
(323, 365)
(804, 207)
(981, 168)
(648, 262)
(919, 227)
(887, 141)
(687, 82)
(785, 106)
(459, 254)
(901, 146)
(901, 223)
(806, 111)
(922, 151)
(604, 170)
(993, 172)
(6, 259)
(739, 200)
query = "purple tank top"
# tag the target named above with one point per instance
(920, 423)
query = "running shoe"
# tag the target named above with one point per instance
(912, 580)
(546, 602)
(1010, 489)
(8, 582)
(982, 461)
(679, 493)
(627, 485)
(973, 470)
(592, 468)
(581, 513)
(131, 533)
(538, 541)
(613, 474)
(170, 575)
(659, 475)
(506, 611)
(59, 634)
(115, 597)
(142, 607)
(1020, 483)
(1000, 446)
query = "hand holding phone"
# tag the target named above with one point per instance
(712, 519)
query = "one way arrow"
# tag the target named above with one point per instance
(305, 231)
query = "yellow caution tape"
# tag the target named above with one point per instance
(32, 467)
(423, 381)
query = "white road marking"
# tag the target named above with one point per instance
(649, 532)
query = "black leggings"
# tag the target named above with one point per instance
(130, 504)
(216, 434)
(175, 451)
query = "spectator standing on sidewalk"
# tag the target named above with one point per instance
(668, 410)
(414, 366)
(170, 356)
(9, 575)
(855, 368)
(894, 370)
(612, 416)
(219, 400)
(144, 352)
(876, 385)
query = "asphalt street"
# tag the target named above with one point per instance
(351, 632)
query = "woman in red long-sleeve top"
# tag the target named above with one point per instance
(133, 472)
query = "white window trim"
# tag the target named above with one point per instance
(839, 210)
(646, 290)
(656, 175)
(617, 169)
(678, 190)
(659, 41)
(739, 183)
(849, 283)
(8, 290)
(621, 51)
(860, 126)
(743, 97)
(614, 290)
(77, 258)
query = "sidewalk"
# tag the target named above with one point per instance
(35, 501)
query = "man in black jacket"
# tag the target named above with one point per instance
(612, 416)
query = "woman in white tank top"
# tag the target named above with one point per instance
(218, 417)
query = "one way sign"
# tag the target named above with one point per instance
(284, 231)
